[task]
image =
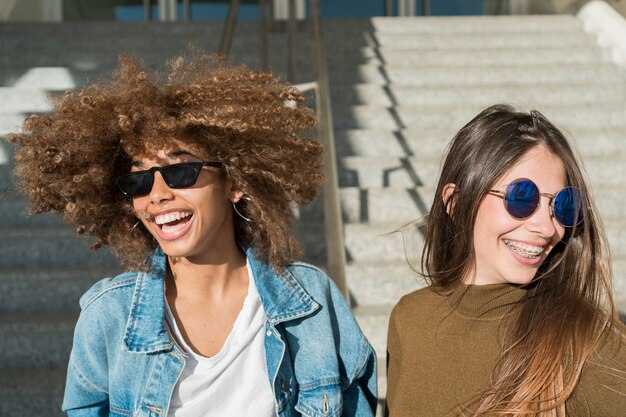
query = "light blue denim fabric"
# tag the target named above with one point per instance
(124, 362)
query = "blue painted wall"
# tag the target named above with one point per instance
(330, 9)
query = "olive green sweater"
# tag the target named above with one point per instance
(442, 349)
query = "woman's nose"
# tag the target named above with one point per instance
(542, 221)
(160, 191)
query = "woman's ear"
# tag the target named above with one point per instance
(446, 195)
(235, 194)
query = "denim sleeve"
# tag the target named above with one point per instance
(86, 388)
(360, 397)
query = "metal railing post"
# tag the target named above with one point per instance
(186, 11)
(147, 12)
(407, 8)
(167, 10)
(264, 18)
(332, 211)
(291, 35)
(426, 7)
(229, 27)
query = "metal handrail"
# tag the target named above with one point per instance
(333, 224)
(408, 5)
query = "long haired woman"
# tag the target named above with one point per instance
(518, 318)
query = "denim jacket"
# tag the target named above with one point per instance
(124, 362)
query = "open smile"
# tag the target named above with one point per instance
(524, 250)
(173, 225)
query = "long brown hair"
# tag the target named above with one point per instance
(567, 307)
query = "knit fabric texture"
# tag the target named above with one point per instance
(442, 350)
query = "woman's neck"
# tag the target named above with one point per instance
(214, 277)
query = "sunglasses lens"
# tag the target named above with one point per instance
(135, 184)
(181, 175)
(568, 206)
(521, 198)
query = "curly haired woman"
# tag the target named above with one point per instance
(190, 177)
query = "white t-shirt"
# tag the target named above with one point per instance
(234, 382)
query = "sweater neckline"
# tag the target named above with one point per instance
(485, 301)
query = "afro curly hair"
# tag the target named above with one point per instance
(68, 161)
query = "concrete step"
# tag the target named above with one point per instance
(472, 76)
(365, 172)
(425, 56)
(80, 55)
(36, 340)
(77, 70)
(480, 24)
(30, 89)
(413, 141)
(96, 64)
(374, 321)
(54, 290)
(18, 100)
(76, 29)
(453, 97)
(32, 392)
(6, 178)
(84, 69)
(380, 284)
(15, 213)
(598, 116)
(486, 40)
(10, 122)
(331, 27)
(49, 247)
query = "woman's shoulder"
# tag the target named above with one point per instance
(602, 385)
(105, 309)
(311, 277)
(120, 287)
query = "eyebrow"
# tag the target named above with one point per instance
(173, 154)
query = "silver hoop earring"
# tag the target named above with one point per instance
(136, 224)
(241, 215)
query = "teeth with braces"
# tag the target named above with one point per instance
(526, 251)
(170, 217)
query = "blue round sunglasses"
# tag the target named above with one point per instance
(522, 198)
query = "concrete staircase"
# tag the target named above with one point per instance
(423, 79)
(401, 88)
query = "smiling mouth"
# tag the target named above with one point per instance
(172, 222)
(525, 251)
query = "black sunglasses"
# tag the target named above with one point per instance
(522, 199)
(181, 175)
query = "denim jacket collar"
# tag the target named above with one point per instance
(282, 296)
(145, 328)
